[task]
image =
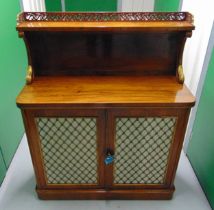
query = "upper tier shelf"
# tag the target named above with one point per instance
(105, 44)
(175, 21)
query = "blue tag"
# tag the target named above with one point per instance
(109, 160)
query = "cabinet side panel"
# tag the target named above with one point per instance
(34, 147)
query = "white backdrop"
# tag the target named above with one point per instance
(135, 5)
(194, 62)
(33, 5)
(123, 5)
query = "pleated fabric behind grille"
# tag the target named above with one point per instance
(141, 149)
(69, 149)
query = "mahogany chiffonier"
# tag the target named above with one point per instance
(104, 105)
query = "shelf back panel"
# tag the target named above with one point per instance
(62, 53)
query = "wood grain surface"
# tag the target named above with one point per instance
(105, 91)
(92, 53)
(104, 26)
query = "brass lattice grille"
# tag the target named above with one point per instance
(141, 149)
(69, 149)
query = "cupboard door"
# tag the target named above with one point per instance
(67, 146)
(142, 144)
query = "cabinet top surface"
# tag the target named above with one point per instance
(104, 20)
(105, 91)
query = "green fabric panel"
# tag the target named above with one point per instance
(166, 6)
(53, 5)
(13, 64)
(2, 168)
(91, 5)
(201, 146)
